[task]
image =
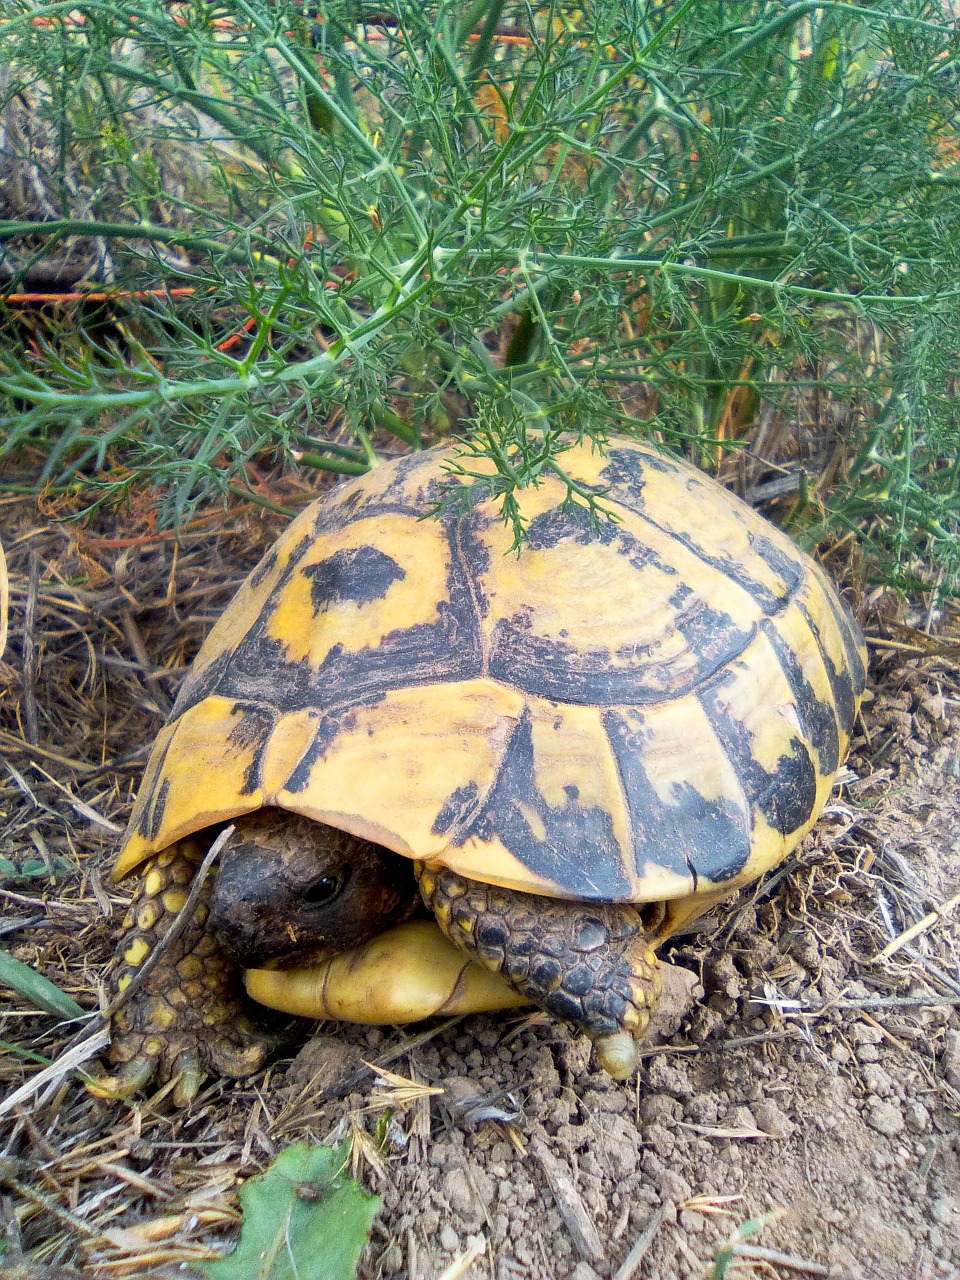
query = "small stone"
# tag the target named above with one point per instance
(950, 1061)
(458, 1192)
(723, 1006)
(444, 1155)
(884, 1117)
(740, 1117)
(806, 952)
(665, 1076)
(721, 976)
(867, 1053)
(771, 1119)
(449, 1240)
(877, 1081)
(674, 1187)
(657, 1137)
(691, 1222)
(701, 1108)
(583, 1271)
(670, 1214)
(839, 1052)
(658, 1107)
(460, 1091)
(916, 1117)
(619, 1147)
(707, 1022)
(933, 705)
(864, 1033)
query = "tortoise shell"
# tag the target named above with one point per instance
(640, 711)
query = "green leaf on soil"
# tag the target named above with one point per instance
(33, 869)
(36, 989)
(302, 1220)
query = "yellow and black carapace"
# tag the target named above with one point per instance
(577, 748)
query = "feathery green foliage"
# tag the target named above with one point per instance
(399, 221)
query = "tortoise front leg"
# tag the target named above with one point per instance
(188, 1018)
(588, 963)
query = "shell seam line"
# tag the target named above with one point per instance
(463, 561)
(828, 667)
(748, 806)
(625, 797)
(715, 564)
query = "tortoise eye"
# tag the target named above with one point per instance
(323, 891)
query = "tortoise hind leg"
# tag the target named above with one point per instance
(588, 963)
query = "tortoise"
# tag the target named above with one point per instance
(566, 753)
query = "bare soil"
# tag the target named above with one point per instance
(808, 1065)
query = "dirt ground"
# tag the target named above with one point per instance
(810, 1070)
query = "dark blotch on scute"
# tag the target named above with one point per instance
(200, 685)
(425, 653)
(785, 565)
(263, 568)
(251, 731)
(574, 525)
(557, 669)
(154, 815)
(787, 795)
(817, 718)
(851, 636)
(841, 682)
(792, 791)
(578, 849)
(255, 670)
(457, 806)
(713, 636)
(360, 574)
(624, 474)
(570, 524)
(329, 729)
(693, 836)
(770, 601)
(852, 639)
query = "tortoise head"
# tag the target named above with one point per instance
(291, 891)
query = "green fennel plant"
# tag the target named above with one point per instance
(343, 229)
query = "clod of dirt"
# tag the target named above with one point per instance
(681, 991)
(323, 1065)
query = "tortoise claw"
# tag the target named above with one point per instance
(133, 1077)
(190, 1077)
(618, 1054)
(192, 1049)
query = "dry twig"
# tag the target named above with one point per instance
(636, 1255)
(571, 1206)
